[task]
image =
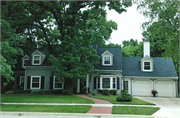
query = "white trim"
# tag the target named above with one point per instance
(140, 77)
(25, 57)
(39, 60)
(54, 84)
(21, 79)
(111, 60)
(38, 52)
(107, 52)
(146, 57)
(78, 85)
(39, 82)
(111, 82)
(151, 67)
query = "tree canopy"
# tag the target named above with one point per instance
(67, 29)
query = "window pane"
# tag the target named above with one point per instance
(146, 63)
(36, 61)
(35, 79)
(114, 82)
(147, 67)
(106, 83)
(22, 80)
(106, 58)
(58, 85)
(125, 85)
(98, 83)
(107, 62)
(35, 85)
(36, 57)
(25, 62)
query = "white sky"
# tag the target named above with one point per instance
(129, 25)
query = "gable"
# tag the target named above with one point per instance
(25, 57)
(37, 53)
(107, 53)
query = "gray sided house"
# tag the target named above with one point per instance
(138, 75)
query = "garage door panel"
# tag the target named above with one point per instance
(142, 88)
(165, 88)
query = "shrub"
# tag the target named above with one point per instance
(124, 96)
(36, 91)
(65, 92)
(105, 92)
(9, 92)
(113, 91)
(93, 93)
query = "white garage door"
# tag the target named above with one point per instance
(142, 88)
(165, 88)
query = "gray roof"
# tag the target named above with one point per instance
(161, 67)
(117, 58)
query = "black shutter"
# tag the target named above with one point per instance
(28, 82)
(94, 83)
(17, 80)
(51, 82)
(42, 82)
(117, 83)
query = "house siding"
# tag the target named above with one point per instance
(46, 73)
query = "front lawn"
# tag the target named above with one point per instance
(46, 108)
(44, 99)
(134, 110)
(112, 99)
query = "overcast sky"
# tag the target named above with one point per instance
(129, 25)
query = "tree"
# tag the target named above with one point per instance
(132, 48)
(67, 29)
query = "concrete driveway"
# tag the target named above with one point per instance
(170, 107)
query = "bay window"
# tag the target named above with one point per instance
(106, 82)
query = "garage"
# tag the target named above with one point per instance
(142, 87)
(165, 88)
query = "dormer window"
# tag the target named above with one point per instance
(147, 66)
(107, 58)
(36, 59)
(24, 62)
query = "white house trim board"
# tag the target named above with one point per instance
(25, 57)
(78, 85)
(38, 52)
(140, 77)
(146, 58)
(55, 83)
(107, 54)
(33, 82)
(21, 77)
(110, 82)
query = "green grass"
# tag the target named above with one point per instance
(46, 108)
(134, 110)
(112, 99)
(44, 99)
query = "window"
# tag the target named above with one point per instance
(35, 82)
(147, 66)
(57, 84)
(105, 82)
(36, 59)
(125, 85)
(21, 82)
(114, 83)
(24, 62)
(98, 82)
(107, 60)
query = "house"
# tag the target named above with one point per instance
(138, 75)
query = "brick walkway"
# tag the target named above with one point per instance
(97, 109)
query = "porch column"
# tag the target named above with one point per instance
(87, 82)
(78, 85)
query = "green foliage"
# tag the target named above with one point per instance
(36, 91)
(105, 91)
(65, 92)
(124, 96)
(9, 92)
(93, 93)
(162, 28)
(113, 91)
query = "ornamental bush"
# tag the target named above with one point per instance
(65, 92)
(105, 91)
(93, 93)
(113, 91)
(124, 96)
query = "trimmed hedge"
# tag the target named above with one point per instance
(105, 91)
(65, 92)
(113, 91)
(124, 96)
